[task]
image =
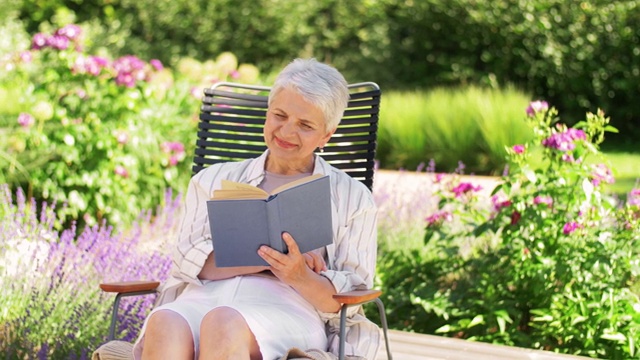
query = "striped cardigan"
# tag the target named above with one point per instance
(350, 259)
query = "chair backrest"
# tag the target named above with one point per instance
(232, 117)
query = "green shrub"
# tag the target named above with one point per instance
(550, 262)
(469, 125)
(105, 137)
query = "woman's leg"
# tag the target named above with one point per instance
(167, 336)
(224, 334)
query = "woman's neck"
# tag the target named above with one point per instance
(287, 168)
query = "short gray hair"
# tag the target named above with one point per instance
(319, 83)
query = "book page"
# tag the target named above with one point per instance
(235, 190)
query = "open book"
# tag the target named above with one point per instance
(243, 217)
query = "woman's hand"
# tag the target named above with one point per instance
(294, 267)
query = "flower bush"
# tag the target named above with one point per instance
(52, 307)
(547, 261)
(105, 136)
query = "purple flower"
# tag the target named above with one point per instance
(26, 120)
(39, 41)
(518, 149)
(156, 64)
(465, 187)
(537, 107)
(71, 31)
(570, 227)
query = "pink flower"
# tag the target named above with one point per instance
(26, 120)
(570, 227)
(71, 31)
(543, 199)
(518, 149)
(122, 137)
(634, 197)
(499, 202)
(464, 188)
(39, 41)
(438, 218)
(58, 42)
(174, 150)
(601, 173)
(439, 177)
(26, 56)
(564, 141)
(156, 64)
(121, 171)
(536, 107)
(235, 74)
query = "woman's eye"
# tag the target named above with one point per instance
(306, 126)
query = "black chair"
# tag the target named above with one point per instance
(230, 129)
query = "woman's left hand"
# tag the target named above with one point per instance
(293, 267)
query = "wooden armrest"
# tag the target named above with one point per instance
(129, 286)
(357, 296)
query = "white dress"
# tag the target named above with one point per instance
(266, 304)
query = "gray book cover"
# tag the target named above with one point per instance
(240, 226)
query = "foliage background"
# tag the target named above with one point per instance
(578, 55)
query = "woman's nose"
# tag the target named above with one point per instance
(287, 128)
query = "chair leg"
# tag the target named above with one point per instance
(343, 323)
(343, 326)
(383, 319)
(116, 305)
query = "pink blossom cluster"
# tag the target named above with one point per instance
(91, 65)
(601, 174)
(129, 70)
(438, 218)
(499, 202)
(564, 141)
(537, 106)
(634, 197)
(570, 227)
(60, 40)
(26, 120)
(175, 151)
(543, 200)
(465, 187)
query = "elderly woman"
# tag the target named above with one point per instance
(260, 312)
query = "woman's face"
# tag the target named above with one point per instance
(294, 128)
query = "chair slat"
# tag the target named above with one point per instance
(232, 119)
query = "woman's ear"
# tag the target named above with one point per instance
(328, 136)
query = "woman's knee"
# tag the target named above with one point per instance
(167, 324)
(224, 329)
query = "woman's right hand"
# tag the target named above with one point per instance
(315, 261)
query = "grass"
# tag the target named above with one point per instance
(448, 125)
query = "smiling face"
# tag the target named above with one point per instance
(294, 128)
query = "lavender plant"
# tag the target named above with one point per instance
(548, 261)
(52, 306)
